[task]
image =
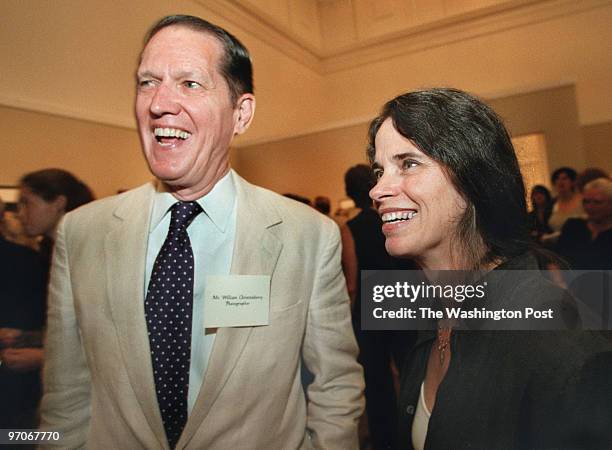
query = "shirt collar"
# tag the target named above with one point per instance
(218, 204)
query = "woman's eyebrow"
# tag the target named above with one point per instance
(404, 155)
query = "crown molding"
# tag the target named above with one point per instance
(459, 29)
(60, 110)
(447, 31)
(266, 31)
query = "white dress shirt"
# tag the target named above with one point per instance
(212, 234)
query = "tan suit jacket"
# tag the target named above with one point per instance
(99, 387)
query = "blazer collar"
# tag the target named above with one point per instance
(256, 252)
(125, 249)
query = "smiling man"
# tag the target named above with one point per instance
(140, 352)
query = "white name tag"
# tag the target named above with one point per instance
(236, 301)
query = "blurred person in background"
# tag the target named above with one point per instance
(568, 202)
(44, 197)
(589, 174)
(322, 204)
(363, 248)
(22, 312)
(541, 209)
(12, 229)
(587, 243)
(298, 198)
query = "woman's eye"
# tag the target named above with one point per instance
(378, 173)
(408, 163)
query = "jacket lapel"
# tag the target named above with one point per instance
(125, 252)
(256, 251)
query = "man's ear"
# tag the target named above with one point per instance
(60, 203)
(245, 109)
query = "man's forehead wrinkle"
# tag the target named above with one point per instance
(184, 63)
(180, 71)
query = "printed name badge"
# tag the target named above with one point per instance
(236, 301)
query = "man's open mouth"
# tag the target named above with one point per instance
(167, 135)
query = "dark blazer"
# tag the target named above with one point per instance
(515, 389)
(22, 287)
(22, 306)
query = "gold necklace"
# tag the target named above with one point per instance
(443, 341)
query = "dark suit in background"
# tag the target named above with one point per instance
(377, 348)
(22, 307)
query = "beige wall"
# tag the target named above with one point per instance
(598, 145)
(554, 113)
(105, 158)
(309, 165)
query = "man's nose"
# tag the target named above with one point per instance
(164, 101)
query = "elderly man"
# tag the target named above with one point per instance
(180, 312)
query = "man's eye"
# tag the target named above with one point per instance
(145, 83)
(378, 173)
(192, 84)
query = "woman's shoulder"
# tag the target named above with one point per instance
(519, 284)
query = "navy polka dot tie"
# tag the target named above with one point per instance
(168, 309)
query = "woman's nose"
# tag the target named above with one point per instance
(384, 188)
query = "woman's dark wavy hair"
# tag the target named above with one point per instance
(235, 67)
(471, 143)
(51, 183)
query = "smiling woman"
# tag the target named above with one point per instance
(451, 196)
(448, 158)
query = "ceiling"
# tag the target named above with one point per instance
(76, 59)
(325, 33)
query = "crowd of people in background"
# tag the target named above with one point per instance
(575, 223)
(44, 197)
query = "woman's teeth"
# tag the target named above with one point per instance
(397, 216)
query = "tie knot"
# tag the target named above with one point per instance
(183, 213)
